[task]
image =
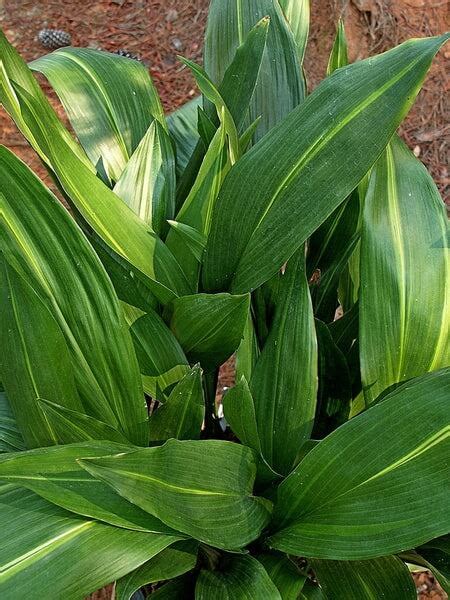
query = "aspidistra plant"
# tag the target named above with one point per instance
(293, 231)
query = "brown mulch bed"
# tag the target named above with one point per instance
(159, 30)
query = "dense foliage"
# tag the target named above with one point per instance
(296, 232)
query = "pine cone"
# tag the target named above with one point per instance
(127, 54)
(54, 38)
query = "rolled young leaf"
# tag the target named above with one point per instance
(181, 415)
(148, 182)
(209, 327)
(386, 577)
(339, 52)
(54, 474)
(109, 99)
(297, 15)
(202, 488)
(240, 577)
(280, 86)
(30, 368)
(284, 380)
(171, 562)
(404, 322)
(43, 244)
(288, 198)
(351, 497)
(69, 557)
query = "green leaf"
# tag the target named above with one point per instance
(127, 241)
(182, 125)
(202, 488)
(386, 577)
(335, 386)
(54, 474)
(284, 380)
(240, 78)
(194, 240)
(161, 359)
(248, 352)
(180, 588)
(329, 250)
(404, 322)
(196, 210)
(69, 426)
(339, 51)
(30, 368)
(288, 198)
(11, 439)
(284, 573)
(14, 69)
(42, 243)
(46, 548)
(171, 562)
(435, 556)
(240, 578)
(209, 327)
(239, 411)
(181, 415)
(148, 184)
(280, 86)
(297, 14)
(351, 497)
(110, 101)
(210, 92)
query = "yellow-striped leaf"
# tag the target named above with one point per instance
(405, 274)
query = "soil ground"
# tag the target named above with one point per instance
(159, 30)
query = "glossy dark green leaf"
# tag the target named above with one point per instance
(11, 439)
(168, 564)
(239, 411)
(435, 556)
(404, 322)
(335, 386)
(280, 85)
(295, 177)
(181, 415)
(351, 497)
(386, 577)
(284, 380)
(161, 359)
(329, 249)
(70, 426)
(284, 573)
(110, 101)
(35, 359)
(240, 577)
(248, 352)
(181, 588)
(59, 555)
(148, 182)
(202, 488)
(43, 244)
(209, 327)
(54, 474)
